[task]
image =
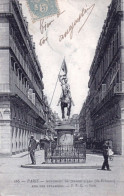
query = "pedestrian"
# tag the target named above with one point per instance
(110, 143)
(105, 155)
(31, 148)
(37, 144)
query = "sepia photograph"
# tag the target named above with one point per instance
(61, 97)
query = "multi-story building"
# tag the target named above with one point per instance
(74, 121)
(21, 86)
(82, 120)
(57, 119)
(88, 121)
(106, 84)
(50, 123)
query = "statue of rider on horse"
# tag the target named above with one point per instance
(65, 98)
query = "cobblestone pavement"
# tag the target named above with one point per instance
(17, 181)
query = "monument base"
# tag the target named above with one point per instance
(66, 155)
(64, 166)
(66, 152)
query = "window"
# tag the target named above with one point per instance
(11, 31)
(23, 79)
(16, 69)
(12, 63)
(25, 82)
(20, 74)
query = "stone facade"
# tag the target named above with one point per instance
(106, 85)
(21, 86)
(82, 120)
(74, 121)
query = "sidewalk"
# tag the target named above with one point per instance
(23, 154)
(20, 155)
(85, 178)
(92, 161)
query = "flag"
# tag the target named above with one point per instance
(64, 67)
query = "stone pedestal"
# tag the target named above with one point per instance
(65, 151)
(65, 135)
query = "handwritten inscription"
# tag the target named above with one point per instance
(43, 40)
(71, 27)
(44, 26)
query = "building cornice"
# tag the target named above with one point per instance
(113, 13)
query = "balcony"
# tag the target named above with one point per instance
(104, 97)
(28, 46)
(119, 88)
(24, 65)
(4, 8)
(19, 25)
(17, 53)
(18, 92)
(4, 88)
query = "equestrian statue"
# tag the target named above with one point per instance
(65, 99)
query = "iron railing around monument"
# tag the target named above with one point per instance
(66, 154)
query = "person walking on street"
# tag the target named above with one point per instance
(105, 155)
(31, 148)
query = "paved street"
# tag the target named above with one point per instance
(16, 181)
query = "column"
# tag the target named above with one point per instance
(21, 140)
(18, 141)
(24, 139)
(14, 139)
(122, 76)
(5, 138)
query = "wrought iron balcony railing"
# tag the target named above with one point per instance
(119, 88)
(22, 95)
(24, 65)
(4, 7)
(4, 88)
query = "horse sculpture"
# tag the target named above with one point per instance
(65, 103)
(65, 99)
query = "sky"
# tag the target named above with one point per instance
(78, 48)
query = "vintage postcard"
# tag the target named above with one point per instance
(61, 97)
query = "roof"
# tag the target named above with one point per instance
(65, 127)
